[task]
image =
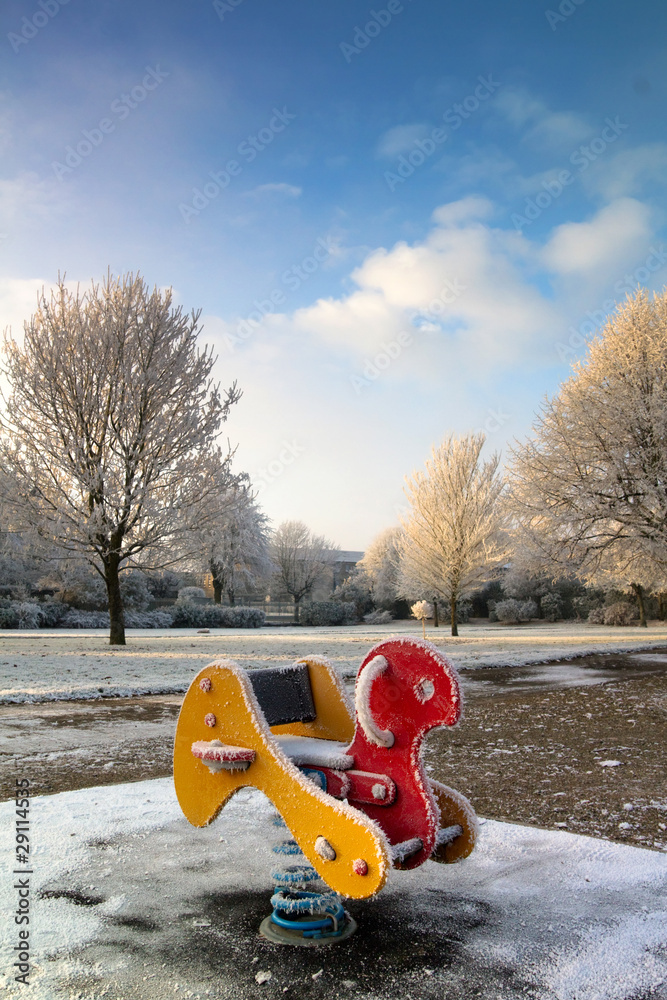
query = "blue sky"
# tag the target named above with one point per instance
(399, 220)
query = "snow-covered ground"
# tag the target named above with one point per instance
(129, 900)
(52, 665)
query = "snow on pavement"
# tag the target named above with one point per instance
(58, 665)
(135, 902)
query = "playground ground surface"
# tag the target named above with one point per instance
(129, 901)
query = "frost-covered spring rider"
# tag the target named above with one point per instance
(352, 792)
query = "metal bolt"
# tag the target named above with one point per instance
(324, 849)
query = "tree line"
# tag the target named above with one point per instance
(110, 438)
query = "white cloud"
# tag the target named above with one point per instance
(399, 139)
(627, 172)
(615, 237)
(483, 306)
(26, 196)
(280, 189)
(542, 126)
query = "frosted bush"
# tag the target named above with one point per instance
(582, 607)
(378, 618)
(189, 595)
(328, 613)
(620, 613)
(552, 606)
(512, 612)
(596, 616)
(28, 614)
(85, 619)
(187, 615)
(148, 619)
(421, 610)
(8, 616)
(463, 610)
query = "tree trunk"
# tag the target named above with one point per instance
(661, 607)
(231, 594)
(452, 608)
(116, 613)
(436, 620)
(639, 594)
(296, 610)
(217, 591)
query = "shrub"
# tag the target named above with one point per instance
(552, 606)
(85, 619)
(354, 589)
(620, 613)
(188, 615)
(596, 616)
(421, 610)
(148, 619)
(135, 592)
(378, 618)
(328, 613)
(582, 607)
(463, 610)
(163, 585)
(493, 617)
(512, 612)
(8, 617)
(190, 595)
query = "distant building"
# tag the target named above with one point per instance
(343, 565)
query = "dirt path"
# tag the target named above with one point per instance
(545, 759)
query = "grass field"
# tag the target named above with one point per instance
(55, 665)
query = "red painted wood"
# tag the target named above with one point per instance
(224, 753)
(397, 703)
(357, 786)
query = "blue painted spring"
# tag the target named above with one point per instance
(296, 897)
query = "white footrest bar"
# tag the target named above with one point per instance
(308, 751)
(448, 834)
(222, 757)
(406, 849)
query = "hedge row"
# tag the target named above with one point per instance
(31, 614)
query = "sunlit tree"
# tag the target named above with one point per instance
(110, 427)
(453, 539)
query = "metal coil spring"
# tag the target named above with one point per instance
(297, 899)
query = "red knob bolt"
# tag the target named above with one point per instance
(205, 684)
(210, 719)
(360, 867)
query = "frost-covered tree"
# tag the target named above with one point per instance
(110, 427)
(593, 476)
(453, 537)
(380, 566)
(301, 558)
(236, 545)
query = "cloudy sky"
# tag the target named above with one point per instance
(399, 221)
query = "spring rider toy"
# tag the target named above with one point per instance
(349, 783)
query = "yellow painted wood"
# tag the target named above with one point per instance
(454, 809)
(308, 812)
(334, 714)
